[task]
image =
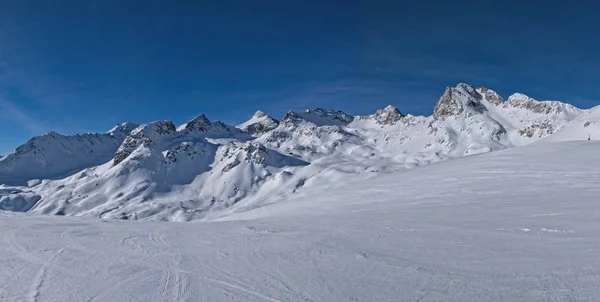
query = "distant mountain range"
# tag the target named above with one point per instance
(201, 169)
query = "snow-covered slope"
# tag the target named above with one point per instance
(516, 225)
(53, 155)
(310, 134)
(259, 123)
(163, 172)
(585, 126)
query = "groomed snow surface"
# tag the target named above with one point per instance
(521, 224)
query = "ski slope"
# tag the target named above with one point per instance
(521, 224)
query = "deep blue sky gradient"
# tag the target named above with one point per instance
(84, 66)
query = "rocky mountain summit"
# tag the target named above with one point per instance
(259, 123)
(389, 115)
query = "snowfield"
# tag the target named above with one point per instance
(485, 200)
(520, 224)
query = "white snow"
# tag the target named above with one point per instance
(159, 171)
(521, 224)
(53, 155)
(320, 206)
(585, 126)
(259, 124)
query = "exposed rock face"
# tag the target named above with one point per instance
(260, 128)
(498, 132)
(388, 116)
(259, 123)
(183, 148)
(122, 130)
(201, 124)
(445, 106)
(538, 129)
(491, 96)
(318, 116)
(145, 135)
(309, 133)
(519, 100)
(255, 153)
(455, 101)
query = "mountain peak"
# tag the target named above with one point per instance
(123, 129)
(154, 128)
(459, 99)
(390, 109)
(201, 123)
(259, 114)
(465, 86)
(520, 97)
(52, 154)
(259, 123)
(388, 115)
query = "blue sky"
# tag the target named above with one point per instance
(83, 66)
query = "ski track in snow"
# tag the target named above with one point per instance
(515, 225)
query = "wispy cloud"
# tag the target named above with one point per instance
(20, 116)
(9, 109)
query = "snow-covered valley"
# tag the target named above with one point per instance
(520, 224)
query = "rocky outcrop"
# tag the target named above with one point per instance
(319, 117)
(389, 115)
(458, 100)
(122, 130)
(145, 135)
(491, 96)
(315, 131)
(201, 124)
(183, 148)
(255, 153)
(260, 123)
(538, 129)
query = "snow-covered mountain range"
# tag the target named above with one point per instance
(203, 169)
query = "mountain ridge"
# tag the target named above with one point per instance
(160, 171)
